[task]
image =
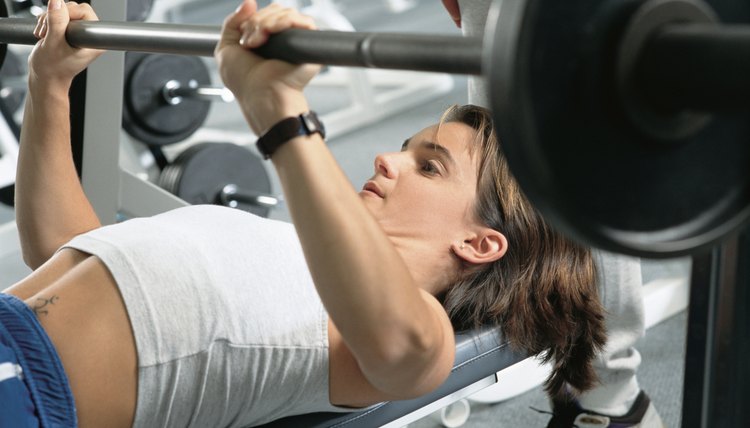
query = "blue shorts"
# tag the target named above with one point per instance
(34, 389)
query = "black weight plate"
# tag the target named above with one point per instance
(132, 59)
(7, 195)
(12, 70)
(199, 174)
(147, 115)
(3, 46)
(578, 158)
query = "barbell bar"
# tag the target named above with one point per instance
(617, 141)
(726, 45)
(438, 53)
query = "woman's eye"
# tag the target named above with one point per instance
(430, 167)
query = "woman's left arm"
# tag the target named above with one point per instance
(400, 335)
(51, 207)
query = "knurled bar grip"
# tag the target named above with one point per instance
(418, 52)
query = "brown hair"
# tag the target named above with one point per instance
(543, 292)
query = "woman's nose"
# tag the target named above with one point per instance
(385, 165)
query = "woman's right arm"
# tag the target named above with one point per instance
(400, 336)
(51, 207)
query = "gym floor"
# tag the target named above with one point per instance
(662, 348)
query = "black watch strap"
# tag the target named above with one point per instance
(287, 129)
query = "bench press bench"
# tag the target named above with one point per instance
(480, 355)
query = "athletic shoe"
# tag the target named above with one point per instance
(569, 414)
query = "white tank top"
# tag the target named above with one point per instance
(227, 321)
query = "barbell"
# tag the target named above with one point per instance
(625, 122)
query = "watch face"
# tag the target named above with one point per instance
(312, 123)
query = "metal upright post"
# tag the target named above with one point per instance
(97, 133)
(702, 288)
(717, 377)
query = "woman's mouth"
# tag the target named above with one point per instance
(372, 188)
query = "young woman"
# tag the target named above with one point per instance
(208, 316)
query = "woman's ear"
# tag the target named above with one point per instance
(486, 246)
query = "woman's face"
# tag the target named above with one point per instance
(427, 190)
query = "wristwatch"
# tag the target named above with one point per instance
(291, 127)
